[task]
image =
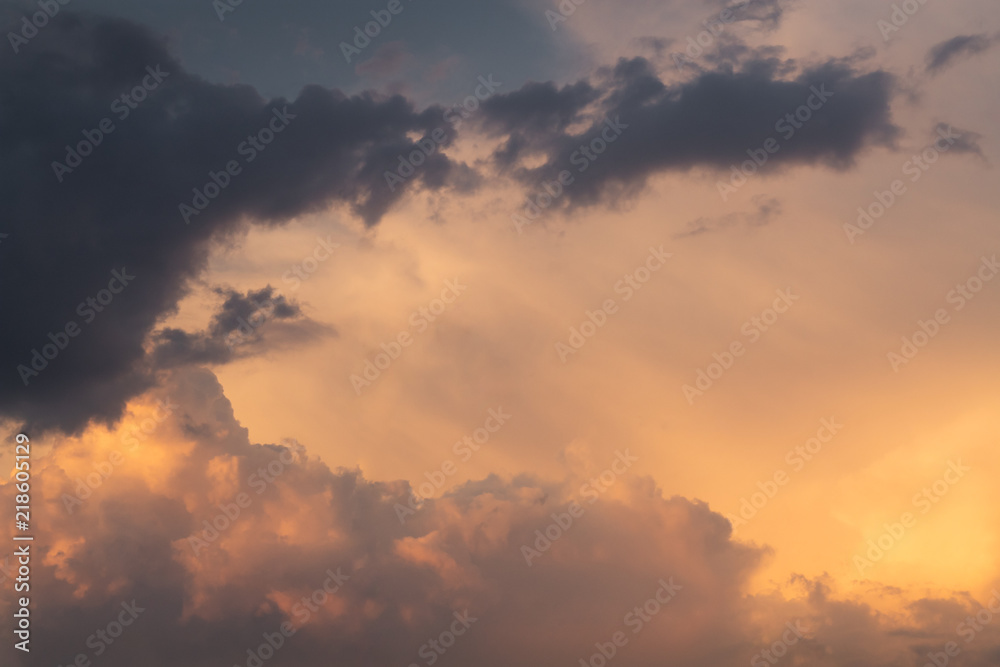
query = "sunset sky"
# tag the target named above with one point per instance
(547, 333)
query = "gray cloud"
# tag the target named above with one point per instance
(950, 51)
(710, 121)
(245, 324)
(119, 205)
(964, 142)
(463, 551)
(767, 208)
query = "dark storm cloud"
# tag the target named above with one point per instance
(536, 112)
(644, 126)
(237, 330)
(280, 47)
(950, 51)
(116, 209)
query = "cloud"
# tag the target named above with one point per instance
(237, 330)
(118, 206)
(950, 51)
(532, 114)
(710, 121)
(207, 602)
(767, 209)
(963, 141)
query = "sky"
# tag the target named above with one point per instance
(576, 333)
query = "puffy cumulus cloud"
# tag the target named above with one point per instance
(220, 541)
(960, 47)
(642, 126)
(237, 330)
(91, 182)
